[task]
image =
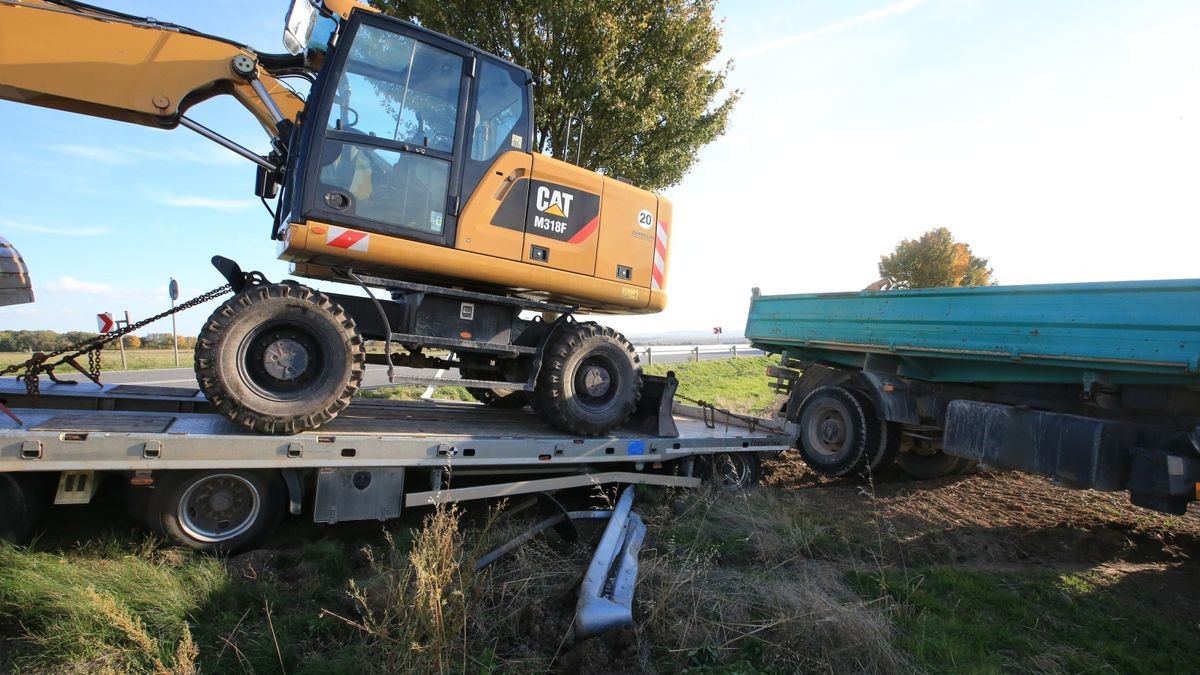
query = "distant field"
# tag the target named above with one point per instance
(137, 359)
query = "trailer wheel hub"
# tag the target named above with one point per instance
(285, 359)
(218, 508)
(832, 431)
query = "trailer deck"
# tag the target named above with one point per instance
(368, 433)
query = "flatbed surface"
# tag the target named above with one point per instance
(82, 425)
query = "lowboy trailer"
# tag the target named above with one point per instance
(206, 483)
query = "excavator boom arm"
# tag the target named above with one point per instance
(69, 56)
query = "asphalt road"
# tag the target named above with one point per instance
(376, 376)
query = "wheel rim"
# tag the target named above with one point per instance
(597, 382)
(281, 361)
(285, 359)
(730, 472)
(829, 429)
(219, 508)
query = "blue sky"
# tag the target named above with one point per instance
(1061, 139)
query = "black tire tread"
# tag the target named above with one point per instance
(867, 434)
(209, 379)
(549, 399)
(889, 434)
(162, 509)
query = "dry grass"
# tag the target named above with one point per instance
(732, 583)
(413, 609)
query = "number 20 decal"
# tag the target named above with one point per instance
(646, 219)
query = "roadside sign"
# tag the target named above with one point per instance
(104, 322)
(173, 290)
(717, 330)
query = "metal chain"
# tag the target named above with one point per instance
(42, 362)
(709, 412)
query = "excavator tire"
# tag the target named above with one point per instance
(590, 380)
(280, 358)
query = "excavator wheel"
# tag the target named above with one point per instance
(590, 380)
(279, 358)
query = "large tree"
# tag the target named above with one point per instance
(934, 260)
(636, 72)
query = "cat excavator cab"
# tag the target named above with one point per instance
(408, 170)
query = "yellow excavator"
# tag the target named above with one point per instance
(408, 170)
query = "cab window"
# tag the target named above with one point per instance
(501, 107)
(398, 89)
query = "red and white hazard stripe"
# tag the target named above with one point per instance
(660, 257)
(340, 237)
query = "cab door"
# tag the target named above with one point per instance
(387, 131)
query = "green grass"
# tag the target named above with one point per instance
(413, 392)
(737, 384)
(979, 621)
(136, 359)
(103, 607)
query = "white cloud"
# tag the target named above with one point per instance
(194, 202)
(43, 229)
(894, 9)
(92, 153)
(73, 285)
(121, 155)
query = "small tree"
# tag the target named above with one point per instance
(936, 260)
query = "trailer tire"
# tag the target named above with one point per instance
(24, 500)
(280, 358)
(218, 512)
(731, 471)
(590, 380)
(888, 447)
(839, 435)
(927, 467)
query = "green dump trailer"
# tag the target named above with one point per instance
(1096, 385)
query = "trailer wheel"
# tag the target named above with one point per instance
(218, 512)
(889, 433)
(24, 500)
(590, 379)
(838, 434)
(926, 467)
(279, 358)
(731, 471)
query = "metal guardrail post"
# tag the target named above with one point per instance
(696, 352)
(733, 348)
(649, 357)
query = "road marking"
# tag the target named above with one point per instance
(429, 390)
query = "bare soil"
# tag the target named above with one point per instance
(1005, 521)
